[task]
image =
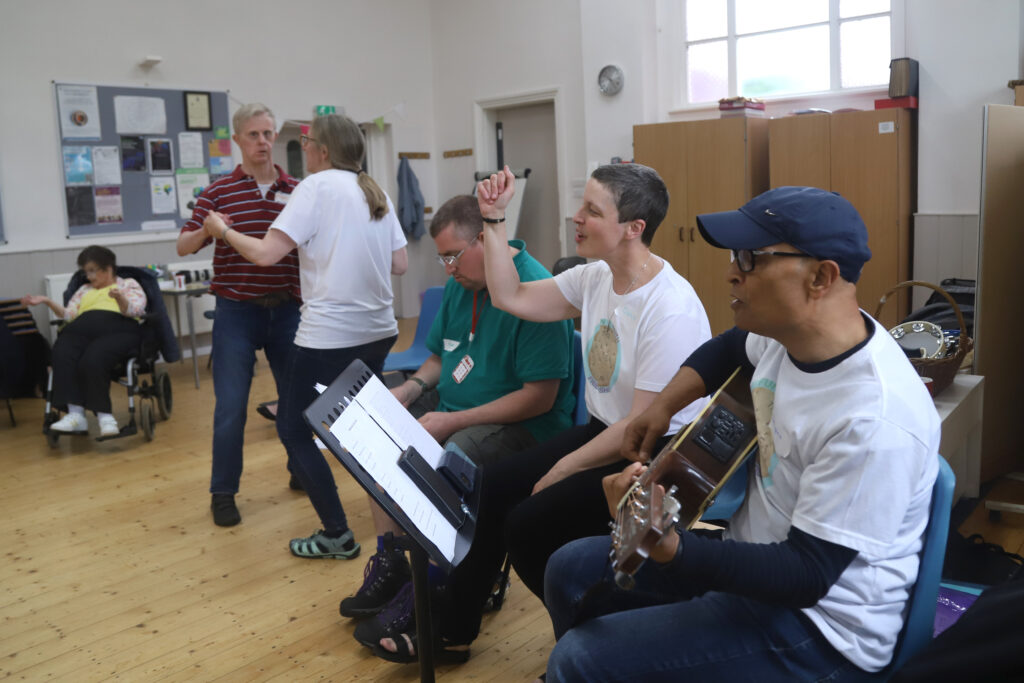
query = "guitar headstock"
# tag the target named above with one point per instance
(644, 515)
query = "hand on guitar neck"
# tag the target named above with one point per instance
(615, 488)
(694, 466)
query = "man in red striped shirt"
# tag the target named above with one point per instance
(257, 306)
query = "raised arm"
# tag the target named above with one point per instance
(540, 300)
(263, 252)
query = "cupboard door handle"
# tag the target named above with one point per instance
(681, 238)
(691, 234)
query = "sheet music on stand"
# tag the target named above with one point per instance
(362, 423)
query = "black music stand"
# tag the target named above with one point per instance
(320, 415)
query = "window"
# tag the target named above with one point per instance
(773, 48)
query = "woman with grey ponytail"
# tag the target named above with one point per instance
(345, 146)
(350, 244)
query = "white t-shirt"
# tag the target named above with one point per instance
(634, 341)
(847, 455)
(344, 261)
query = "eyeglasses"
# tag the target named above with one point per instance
(305, 139)
(451, 260)
(744, 258)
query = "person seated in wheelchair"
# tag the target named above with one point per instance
(101, 329)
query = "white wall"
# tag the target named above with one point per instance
(626, 39)
(967, 53)
(493, 53)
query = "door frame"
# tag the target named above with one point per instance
(485, 116)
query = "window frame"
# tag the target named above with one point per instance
(673, 46)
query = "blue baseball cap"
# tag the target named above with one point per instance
(821, 224)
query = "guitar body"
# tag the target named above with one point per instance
(683, 480)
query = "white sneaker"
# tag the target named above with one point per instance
(72, 422)
(108, 425)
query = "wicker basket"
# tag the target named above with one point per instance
(940, 370)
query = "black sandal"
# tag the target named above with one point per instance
(405, 644)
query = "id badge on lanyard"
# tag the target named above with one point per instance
(465, 365)
(462, 369)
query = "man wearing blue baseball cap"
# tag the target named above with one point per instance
(811, 578)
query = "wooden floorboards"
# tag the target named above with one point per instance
(114, 570)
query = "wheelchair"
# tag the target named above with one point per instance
(158, 339)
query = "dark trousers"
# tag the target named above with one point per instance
(305, 368)
(85, 355)
(529, 527)
(570, 509)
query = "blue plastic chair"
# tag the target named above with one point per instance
(412, 358)
(732, 494)
(580, 416)
(920, 620)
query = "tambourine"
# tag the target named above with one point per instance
(920, 339)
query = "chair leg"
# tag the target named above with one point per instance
(10, 411)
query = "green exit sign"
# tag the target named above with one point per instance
(325, 109)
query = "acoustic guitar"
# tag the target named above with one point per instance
(683, 480)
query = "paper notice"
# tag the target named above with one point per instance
(79, 111)
(106, 162)
(162, 195)
(190, 150)
(139, 115)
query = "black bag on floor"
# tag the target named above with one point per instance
(973, 560)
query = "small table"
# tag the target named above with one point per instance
(960, 407)
(194, 290)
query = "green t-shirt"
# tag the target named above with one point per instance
(506, 351)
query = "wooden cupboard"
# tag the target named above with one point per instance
(868, 158)
(708, 166)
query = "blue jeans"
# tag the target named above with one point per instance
(660, 632)
(239, 328)
(306, 367)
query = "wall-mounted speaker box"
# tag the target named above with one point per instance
(903, 77)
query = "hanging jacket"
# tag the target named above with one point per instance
(410, 201)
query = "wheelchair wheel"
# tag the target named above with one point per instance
(164, 397)
(146, 415)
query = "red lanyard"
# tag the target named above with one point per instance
(472, 330)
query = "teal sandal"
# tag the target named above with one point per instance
(321, 546)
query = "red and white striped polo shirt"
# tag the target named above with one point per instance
(238, 196)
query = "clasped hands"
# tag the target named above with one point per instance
(216, 224)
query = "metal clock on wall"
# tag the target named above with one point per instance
(610, 80)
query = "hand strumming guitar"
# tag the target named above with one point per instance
(644, 431)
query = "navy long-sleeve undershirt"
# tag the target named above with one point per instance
(796, 572)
